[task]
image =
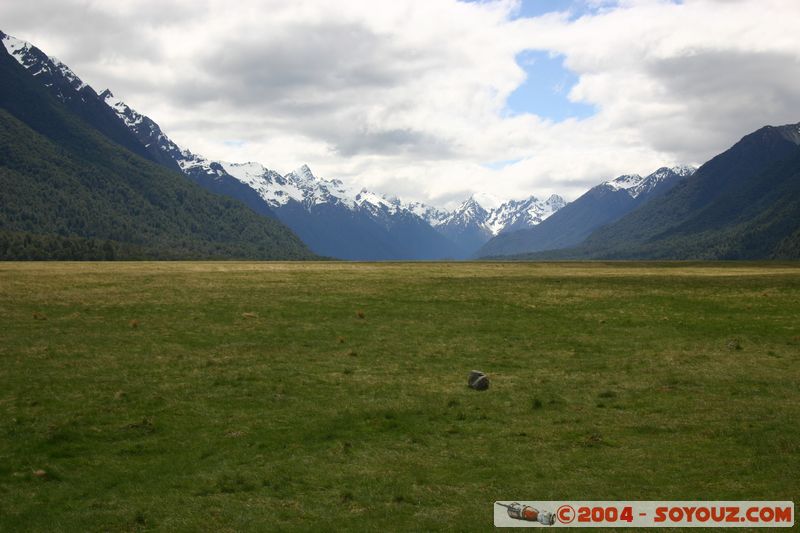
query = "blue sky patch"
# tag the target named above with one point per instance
(576, 8)
(544, 92)
(535, 8)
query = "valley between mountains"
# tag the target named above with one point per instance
(746, 196)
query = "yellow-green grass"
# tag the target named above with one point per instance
(252, 396)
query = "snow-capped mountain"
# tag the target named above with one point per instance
(300, 187)
(520, 214)
(432, 215)
(299, 196)
(466, 226)
(601, 205)
(52, 71)
(508, 216)
(160, 147)
(469, 213)
(303, 187)
(636, 185)
(471, 224)
(78, 97)
(332, 218)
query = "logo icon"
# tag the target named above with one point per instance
(527, 513)
(565, 514)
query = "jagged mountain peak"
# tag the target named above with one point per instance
(67, 72)
(555, 199)
(472, 214)
(125, 112)
(22, 51)
(626, 182)
(161, 147)
(636, 185)
(40, 64)
(469, 213)
(519, 214)
(471, 204)
(303, 172)
(681, 170)
(432, 215)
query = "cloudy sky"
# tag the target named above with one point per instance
(433, 100)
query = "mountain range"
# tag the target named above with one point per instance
(337, 220)
(331, 218)
(105, 180)
(601, 205)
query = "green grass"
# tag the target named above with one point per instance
(252, 396)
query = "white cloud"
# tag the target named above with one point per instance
(407, 97)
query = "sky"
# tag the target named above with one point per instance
(435, 100)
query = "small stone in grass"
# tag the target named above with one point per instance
(478, 380)
(40, 473)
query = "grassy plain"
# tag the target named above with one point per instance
(253, 396)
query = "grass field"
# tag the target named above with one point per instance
(332, 396)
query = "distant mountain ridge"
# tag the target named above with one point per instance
(599, 206)
(471, 225)
(742, 204)
(314, 207)
(370, 225)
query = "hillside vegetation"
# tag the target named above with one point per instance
(68, 192)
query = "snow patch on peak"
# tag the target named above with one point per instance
(636, 185)
(38, 63)
(275, 189)
(304, 173)
(302, 186)
(16, 47)
(624, 182)
(502, 216)
(67, 72)
(128, 115)
(683, 170)
(432, 215)
(113, 101)
(469, 211)
(518, 214)
(190, 161)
